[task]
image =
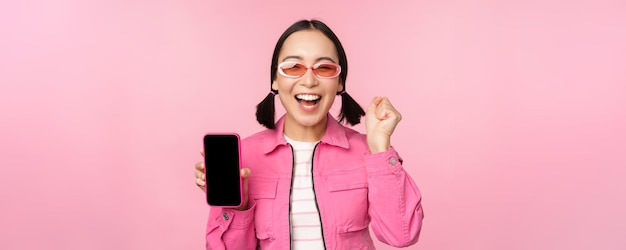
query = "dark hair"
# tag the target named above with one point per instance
(351, 111)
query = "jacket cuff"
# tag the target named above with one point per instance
(233, 218)
(387, 162)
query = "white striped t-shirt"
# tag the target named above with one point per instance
(306, 231)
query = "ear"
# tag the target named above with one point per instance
(275, 86)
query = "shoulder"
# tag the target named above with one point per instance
(352, 134)
(354, 137)
(337, 131)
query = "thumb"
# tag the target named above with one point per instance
(245, 173)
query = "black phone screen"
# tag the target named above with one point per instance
(221, 157)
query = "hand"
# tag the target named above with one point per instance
(381, 119)
(200, 177)
(201, 181)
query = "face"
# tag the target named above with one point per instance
(307, 99)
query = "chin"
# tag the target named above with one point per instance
(311, 120)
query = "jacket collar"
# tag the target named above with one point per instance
(335, 135)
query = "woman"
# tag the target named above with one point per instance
(310, 182)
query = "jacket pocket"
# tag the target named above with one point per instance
(355, 237)
(343, 183)
(348, 192)
(263, 191)
(352, 228)
(262, 188)
(347, 180)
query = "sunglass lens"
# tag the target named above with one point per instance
(326, 70)
(293, 69)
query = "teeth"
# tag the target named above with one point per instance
(308, 97)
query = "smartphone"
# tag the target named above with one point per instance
(222, 164)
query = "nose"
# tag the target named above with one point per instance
(309, 79)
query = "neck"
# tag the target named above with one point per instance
(299, 132)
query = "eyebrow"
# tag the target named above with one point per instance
(318, 59)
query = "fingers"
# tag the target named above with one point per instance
(199, 167)
(374, 104)
(200, 176)
(382, 109)
(200, 182)
(199, 173)
(375, 107)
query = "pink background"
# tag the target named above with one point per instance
(514, 114)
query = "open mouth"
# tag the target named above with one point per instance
(308, 99)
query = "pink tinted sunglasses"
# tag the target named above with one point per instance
(321, 70)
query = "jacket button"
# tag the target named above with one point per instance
(225, 216)
(393, 161)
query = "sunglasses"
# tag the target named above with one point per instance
(321, 70)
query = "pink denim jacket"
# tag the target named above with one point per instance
(353, 188)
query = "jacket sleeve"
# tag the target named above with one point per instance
(228, 228)
(394, 200)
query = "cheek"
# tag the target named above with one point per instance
(332, 87)
(283, 84)
(284, 98)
